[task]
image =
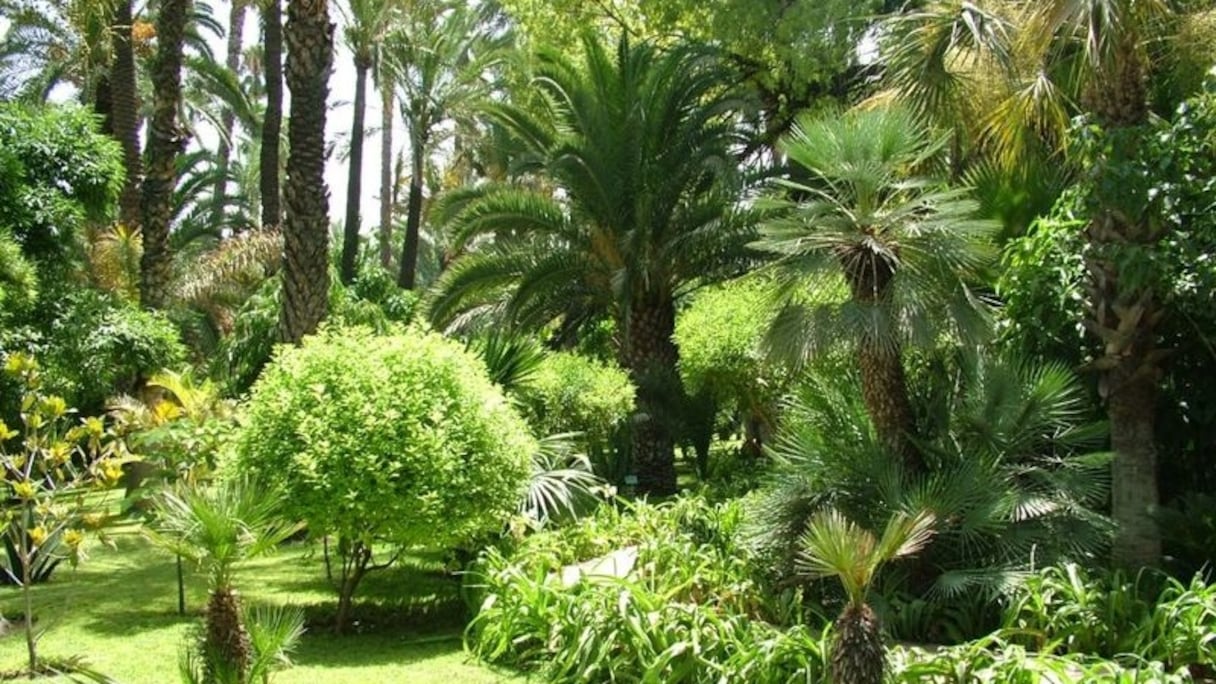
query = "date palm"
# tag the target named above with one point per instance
(272, 122)
(310, 46)
(367, 23)
(218, 527)
(902, 246)
(1089, 57)
(443, 61)
(166, 140)
(629, 204)
(833, 546)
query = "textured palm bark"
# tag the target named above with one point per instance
(354, 179)
(226, 641)
(310, 38)
(408, 273)
(857, 651)
(386, 168)
(125, 113)
(884, 387)
(236, 37)
(272, 120)
(1124, 317)
(651, 357)
(166, 140)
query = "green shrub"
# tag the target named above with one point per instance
(399, 439)
(92, 345)
(571, 393)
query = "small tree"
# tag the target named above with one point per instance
(398, 439)
(218, 527)
(833, 546)
(47, 472)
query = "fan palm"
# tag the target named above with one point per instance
(1091, 57)
(1011, 479)
(218, 527)
(310, 43)
(634, 148)
(833, 546)
(904, 246)
(443, 61)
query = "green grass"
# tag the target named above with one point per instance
(119, 611)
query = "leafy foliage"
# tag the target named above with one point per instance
(1010, 479)
(397, 439)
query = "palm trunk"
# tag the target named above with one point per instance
(884, 387)
(651, 357)
(310, 40)
(165, 142)
(413, 214)
(125, 110)
(228, 652)
(236, 35)
(386, 168)
(857, 651)
(354, 180)
(272, 121)
(1124, 316)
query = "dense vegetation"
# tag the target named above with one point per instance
(691, 342)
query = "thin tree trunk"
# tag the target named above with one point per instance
(236, 36)
(387, 194)
(165, 142)
(354, 180)
(310, 40)
(651, 357)
(272, 121)
(126, 114)
(408, 274)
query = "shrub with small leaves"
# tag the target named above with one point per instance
(399, 439)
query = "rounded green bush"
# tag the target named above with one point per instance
(571, 393)
(399, 438)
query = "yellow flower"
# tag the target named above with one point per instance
(73, 538)
(23, 489)
(93, 521)
(38, 535)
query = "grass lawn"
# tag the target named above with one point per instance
(119, 611)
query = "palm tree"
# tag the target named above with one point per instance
(629, 207)
(268, 170)
(310, 47)
(901, 246)
(236, 34)
(366, 26)
(125, 112)
(218, 527)
(833, 546)
(51, 43)
(443, 60)
(166, 140)
(1059, 58)
(386, 82)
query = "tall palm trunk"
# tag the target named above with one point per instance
(651, 357)
(354, 180)
(272, 121)
(310, 43)
(408, 273)
(884, 386)
(1125, 315)
(125, 112)
(236, 37)
(165, 141)
(386, 167)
